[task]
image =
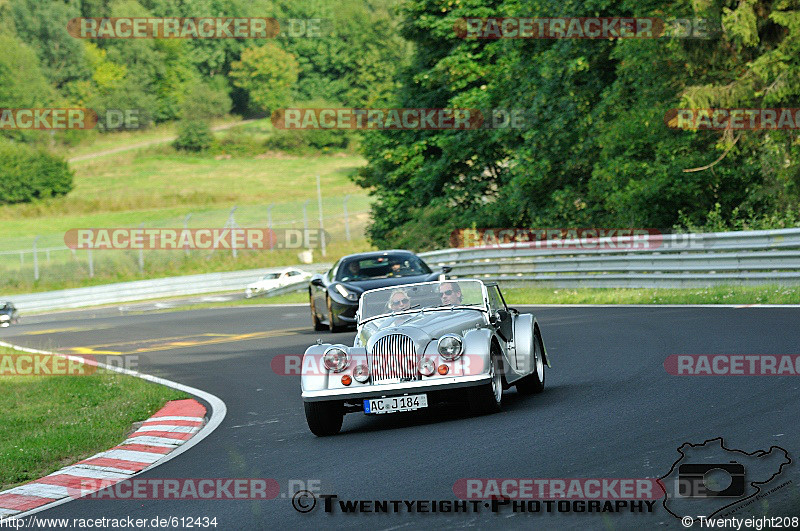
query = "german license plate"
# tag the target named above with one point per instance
(376, 406)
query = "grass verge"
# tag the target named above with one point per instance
(766, 294)
(48, 422)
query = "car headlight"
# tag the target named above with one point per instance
(361, 373)
(335, 359)
(450, 347)
(346, 293)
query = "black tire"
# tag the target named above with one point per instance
(324, 418)
(318, 325)
(332, 326)
(534, 383)
(488, 398)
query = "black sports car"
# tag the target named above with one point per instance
(8, 314)
(333, 296)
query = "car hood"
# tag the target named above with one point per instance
(374, 283)
(422, 327)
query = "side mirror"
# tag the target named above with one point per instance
(446, 269)
(494, 318)
(317, 282)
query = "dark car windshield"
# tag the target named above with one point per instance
(383, 266)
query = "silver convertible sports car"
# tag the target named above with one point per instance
(420, 344)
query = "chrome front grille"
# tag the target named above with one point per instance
(393, 358)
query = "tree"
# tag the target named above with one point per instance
(268, 74)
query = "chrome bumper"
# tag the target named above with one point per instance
(380, 390)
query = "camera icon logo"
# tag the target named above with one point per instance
(725, 480)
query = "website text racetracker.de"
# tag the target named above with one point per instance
(332, 503)
(127, 522)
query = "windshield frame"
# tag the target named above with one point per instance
(483, 307)
(389, 257)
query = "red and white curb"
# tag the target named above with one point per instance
(172, 430)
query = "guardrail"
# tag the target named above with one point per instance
(668, 261)
(675, 260)
(139, 290)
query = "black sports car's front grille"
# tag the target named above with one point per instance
(393, 358)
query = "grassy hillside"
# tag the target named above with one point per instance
(158, 187)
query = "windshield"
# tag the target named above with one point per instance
(270, 276)
(422, 296)
(384, 266)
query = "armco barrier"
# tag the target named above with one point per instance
(688, 260)
(146, 289)
(679, 260)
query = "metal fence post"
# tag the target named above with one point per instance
(141, 255)
(186, 228)
(91, 262)
(35, 260)
(231, 225)
(272, 243)
(305, 215)
(321, 224)
(346, 219)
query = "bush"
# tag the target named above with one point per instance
(194, 135)
(28, 174)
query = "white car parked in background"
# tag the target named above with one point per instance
(276, 280)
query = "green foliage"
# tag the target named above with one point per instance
(268, 74)
(30, 174)
(206, 101)
(596, 149)
(193, 135)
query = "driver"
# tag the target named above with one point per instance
(450, 293)
(399, 301)
(354, 270)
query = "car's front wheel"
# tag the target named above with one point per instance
(488, 398)
(534, 382)
(324, 418)
(331, 319)
(318, 325)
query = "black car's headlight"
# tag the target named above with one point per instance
(450, 346)
(335, 359)
(346, 293)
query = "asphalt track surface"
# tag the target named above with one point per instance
(610, 410)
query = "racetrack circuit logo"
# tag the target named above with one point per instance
(209, 238)
(708, 478)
